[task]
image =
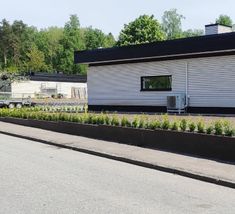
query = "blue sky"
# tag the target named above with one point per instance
(111, 15)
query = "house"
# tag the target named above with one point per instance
(142, 77)
(46, 85)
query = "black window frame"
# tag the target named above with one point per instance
(155, 89)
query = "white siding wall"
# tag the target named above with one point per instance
(33, 87)
(120, 84)
(211, 82)
(217, 29)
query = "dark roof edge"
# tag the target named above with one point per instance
(192, 56)
(216, 24)
(170, 48)
(58, 78)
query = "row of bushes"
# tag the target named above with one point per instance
(56, 109)
(218, 127)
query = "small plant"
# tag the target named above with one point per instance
(107, 120)
(141, 123)
(183, 125)
(115, 121)
(165, 123)
(135, 122)
(209, 129)
(201, 126)
(125, 122)
(218, 127)
(156, 124)
(175, 126)
(100, 119)
(192, 126)
(228, 129)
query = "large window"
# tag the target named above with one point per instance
(156, 83)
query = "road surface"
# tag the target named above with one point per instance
(38, 178)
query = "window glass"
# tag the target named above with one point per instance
(156, 83)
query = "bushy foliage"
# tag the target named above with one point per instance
(201, 126)
(218, 128)
(192, 126)
(183, 125)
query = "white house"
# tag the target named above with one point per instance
(43, 84)
(143, 77)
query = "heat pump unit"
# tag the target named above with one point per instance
(176, 103)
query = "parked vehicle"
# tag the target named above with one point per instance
(10, 101)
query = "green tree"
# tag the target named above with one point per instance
(5, 37)
(48, 41)
(224, 20)
(172, 24)
(95, 38)
(109, 41)
(144, 29)
(36, 60)
(70, 42)
(192, 33)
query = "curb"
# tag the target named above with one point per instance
(204, 178)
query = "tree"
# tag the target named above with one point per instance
(144, 29)
(224, 20)
(5, 37)
(95, 38)
(109, 41)
(172, 24)
(36, 60)
(192, 33)
(48, 41)
(70, 42)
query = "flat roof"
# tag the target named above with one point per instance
(201, 46)
(46, 77)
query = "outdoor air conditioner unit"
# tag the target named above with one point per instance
(176, 103)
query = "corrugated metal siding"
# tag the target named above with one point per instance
(211, 82)
(120, 84)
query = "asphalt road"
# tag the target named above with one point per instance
(38, 178)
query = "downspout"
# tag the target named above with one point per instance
(186, 84)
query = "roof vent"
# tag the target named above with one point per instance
(217, 29)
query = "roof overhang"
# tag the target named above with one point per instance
(202, 46)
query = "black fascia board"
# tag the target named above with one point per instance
(187, 47)
(59, 78)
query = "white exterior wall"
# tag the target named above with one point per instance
(211, 82)
(217, 29)
(121, 85)
(31, 88)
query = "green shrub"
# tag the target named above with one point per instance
(135, 122)
(183, 125)
(141, 123)
(107, 120)
(175, 126)
(125, 122)
(115, 121)
(165, 123)
(218, 127)
(201, 126)
(155, 124)
(228, 129)
(101, 119)
(94, 119)
(209, 129)
(192, 126)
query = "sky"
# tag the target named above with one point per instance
(111, 15)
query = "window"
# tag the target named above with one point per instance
(156, 83)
